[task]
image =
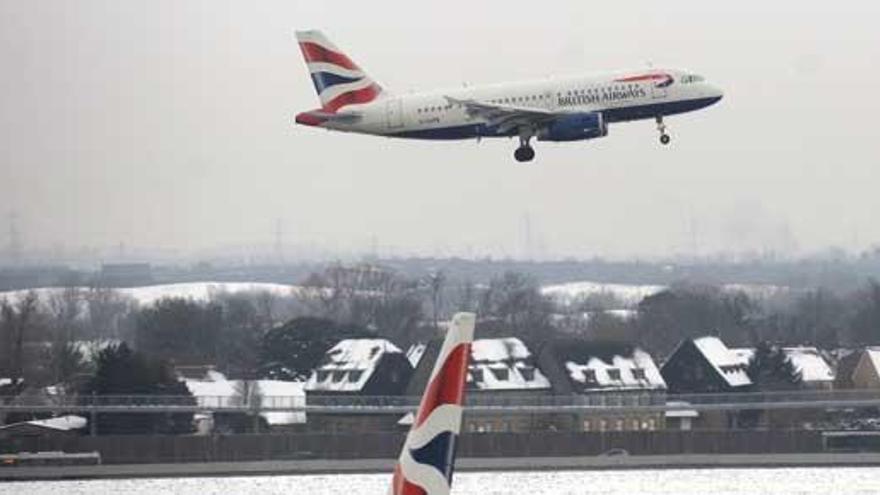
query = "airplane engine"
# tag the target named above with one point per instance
(575, 127)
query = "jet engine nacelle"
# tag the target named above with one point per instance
(575, 127)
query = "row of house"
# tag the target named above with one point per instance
(507, 369)
(591, 372)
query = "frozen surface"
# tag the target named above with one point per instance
(791, 481)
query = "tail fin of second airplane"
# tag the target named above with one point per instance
(427, 460)
(338, 80)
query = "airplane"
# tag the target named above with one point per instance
(557, 109)
(427, 459)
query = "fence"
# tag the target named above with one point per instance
(166, 448)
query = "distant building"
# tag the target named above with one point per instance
(213, 390)
(816, 373)
(353, 368)
(603, 373)
(502, 369)
(705, 365)
(846, 361)
(499, 370)
(866, 374)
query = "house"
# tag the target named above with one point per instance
(845, 361)
(706, 365)
(61, 426)
(816, 373)
(605, 373)
(213, 390)
(867, 371)
(499, 370)
(358, 368)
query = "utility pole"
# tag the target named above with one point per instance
(279, 241)
(15, 245)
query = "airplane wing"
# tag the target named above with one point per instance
(506, 117)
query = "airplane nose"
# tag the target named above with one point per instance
(716, 92)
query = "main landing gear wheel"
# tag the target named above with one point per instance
(664, 138)
(524, 153)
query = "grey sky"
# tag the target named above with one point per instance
(169, 124)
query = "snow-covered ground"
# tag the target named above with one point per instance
(145, 296)
(627, 294)
(631, 294)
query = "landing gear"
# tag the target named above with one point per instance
(525, 152)
(664, 138)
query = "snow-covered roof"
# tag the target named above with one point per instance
(504, 364)
(810, 363)
(349, 365)
(217, 391)
(635, 371)
(90, 348)
(277, 393)
(873, 354)
(681, 409)
(415, 352)
(61, 423)
(731, 364)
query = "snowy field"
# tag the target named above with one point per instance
(792, 481)
(631, 294)
(197, 291)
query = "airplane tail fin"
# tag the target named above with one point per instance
(338, 80)
(427, 459)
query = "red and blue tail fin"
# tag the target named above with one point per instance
(338, 80)
(427, 459)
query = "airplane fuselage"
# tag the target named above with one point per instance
(618, 97)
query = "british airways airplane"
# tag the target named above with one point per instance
(427, 459)
(555, 109)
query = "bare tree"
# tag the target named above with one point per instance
(17, 320)
(65, 322)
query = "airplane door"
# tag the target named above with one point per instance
(656, 92)
(394, 113)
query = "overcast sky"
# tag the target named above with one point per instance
(169, 124)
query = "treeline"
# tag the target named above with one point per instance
(262, 335)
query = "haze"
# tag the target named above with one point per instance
(169, 125)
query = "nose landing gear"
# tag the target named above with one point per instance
(664, 138)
